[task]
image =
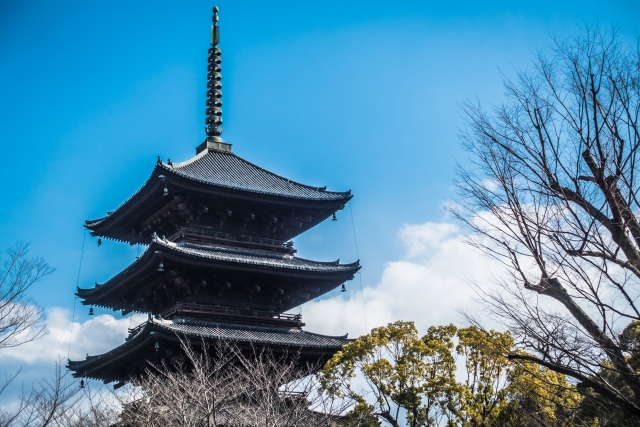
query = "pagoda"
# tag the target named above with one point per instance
(220, 264)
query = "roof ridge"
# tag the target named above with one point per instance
(225, 248)
(242, 326)
(186, 162)
(179, 167)
(289, 180)
(345, 336)
(212, 249)
(269, 254)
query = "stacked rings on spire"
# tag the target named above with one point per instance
(214, 83)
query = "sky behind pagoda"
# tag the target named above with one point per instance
(352, 95)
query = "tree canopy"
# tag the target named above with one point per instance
(392, 376)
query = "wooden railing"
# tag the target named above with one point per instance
(134, 331)
(232, 238)
(205, 310)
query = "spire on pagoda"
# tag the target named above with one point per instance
(226, 270)
(214, 85)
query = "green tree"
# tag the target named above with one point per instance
(408, 377)
(392, 375)
(486, 367)
(602, 412)
(537, 396)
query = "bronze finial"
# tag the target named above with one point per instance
(214, 85)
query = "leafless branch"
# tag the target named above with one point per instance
(551, 193)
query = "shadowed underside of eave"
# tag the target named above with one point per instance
(217, 275)
(213, 183)
(132, 357)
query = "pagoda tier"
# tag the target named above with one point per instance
(218, 192)
(168, 273)
(220, 266)
(159, 340)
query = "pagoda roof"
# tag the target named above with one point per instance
(257, 258)
(253, 334)
(108, 366)
(225, 183)
(112, 292)
(225, 169)
(229, 171)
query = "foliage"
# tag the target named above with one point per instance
(602, 411)
(407, 376)
(538, 396)
(484, 391)
(392, 374)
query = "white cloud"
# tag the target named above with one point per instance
(94, 336)
(428, 285)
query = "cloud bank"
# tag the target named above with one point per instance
(94, 336)
(428, 285)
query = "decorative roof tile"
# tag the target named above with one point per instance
(256, 257)
(252, 334)
(228, 170)
(240, 334)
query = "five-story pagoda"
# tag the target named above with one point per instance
(220, 264)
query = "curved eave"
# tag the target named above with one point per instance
(91, 363)
(234, 165)
(148, 262)
(107, 366)
(153, 188)
(152, 183)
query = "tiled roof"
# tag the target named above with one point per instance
(228, 170)
(294, 338)
(253, 334)
(324, 275)
(256, 257)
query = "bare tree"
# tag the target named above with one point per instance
(193, 391)
(21, 320)
(281, 393)
(226, 387)
(552, 193)
(60, 402)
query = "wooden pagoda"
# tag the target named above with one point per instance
(220, 263)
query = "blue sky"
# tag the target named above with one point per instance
(353, 95)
